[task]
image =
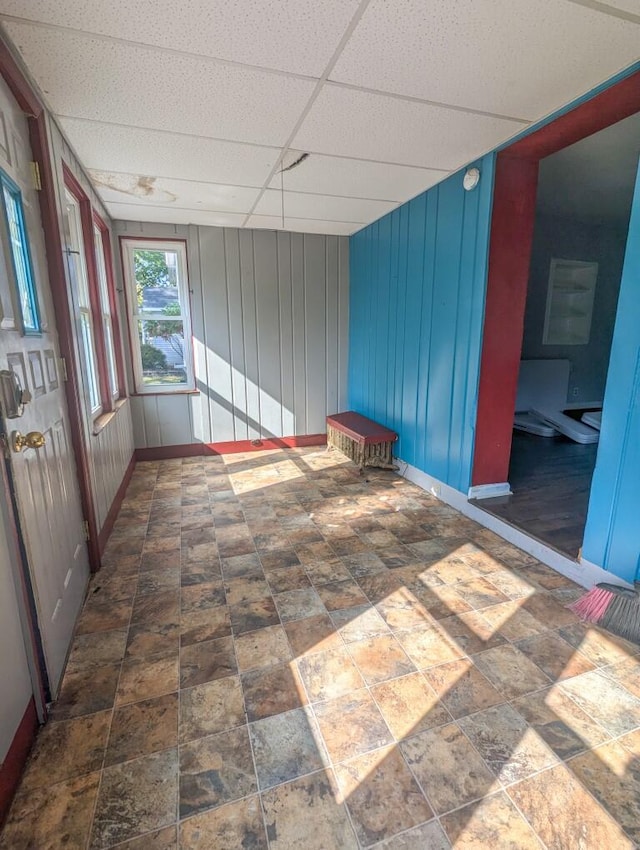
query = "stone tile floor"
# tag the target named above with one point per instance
(279, 653)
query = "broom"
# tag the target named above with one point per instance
(615, 608)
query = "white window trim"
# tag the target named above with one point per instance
(129, 245)
(105, 311)
(84, 312)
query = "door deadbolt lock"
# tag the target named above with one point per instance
(32, 440)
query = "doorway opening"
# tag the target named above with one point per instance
(583, 203)
(562, 198)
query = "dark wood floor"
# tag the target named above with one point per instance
(551, 480)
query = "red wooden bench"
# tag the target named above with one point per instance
(361, 439)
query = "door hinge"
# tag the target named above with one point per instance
(63, 368)
(85, 530)
(35, 176)
(4, 442)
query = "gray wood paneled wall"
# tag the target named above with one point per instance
(270, 326)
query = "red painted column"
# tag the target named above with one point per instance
(512, 224)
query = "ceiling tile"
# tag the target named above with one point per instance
(328, 208)
(185, 194)
(109, 147)
(357, 178)
(300, 225)
(85, 77)
(346, 122)
(513, 57)
(142, 212)
(280, 34)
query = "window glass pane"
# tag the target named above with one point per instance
(111, 356)
(162, 352)
(102, 272)
(21, 262)
(78, 270)
(76, 245)
(105, 307)
(92, 378)
(156, 275)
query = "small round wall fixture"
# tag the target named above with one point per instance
(471, 178)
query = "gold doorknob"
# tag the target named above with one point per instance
(32, 440)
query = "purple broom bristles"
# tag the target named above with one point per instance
(593, 605)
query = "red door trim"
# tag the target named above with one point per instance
(64, 324)
(509, 257)
(16, 757)
(19, 86)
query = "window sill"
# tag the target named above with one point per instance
(101, 422)
(166, 392)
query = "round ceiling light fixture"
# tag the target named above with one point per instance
(471, 178)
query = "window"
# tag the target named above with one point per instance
(78, 262)
(159, 322)
(106, 308)
(20, 256)
(90, 268)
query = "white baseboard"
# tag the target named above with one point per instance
(582, 572)
(489, 491)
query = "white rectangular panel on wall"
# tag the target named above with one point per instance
(270, 323)
(215, 322)
(285, 306)
(315, 328)
(268, 332)
(300, 383)
(331, 330)
(236, 335)
(250, 334)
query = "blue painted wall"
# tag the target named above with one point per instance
(417, 289)
(612, 534)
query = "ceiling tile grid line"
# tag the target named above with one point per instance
(189, 54)
(308, 149)
(97, 145)
(359, 12)
(622, 10)
(259, 68)
(98, 177)
(265, 215)
(388, 98)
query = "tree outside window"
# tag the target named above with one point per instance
(162, 334)
(157, 288)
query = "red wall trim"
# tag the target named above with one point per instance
(610, 106)
(64, 324)
(19, 86)
(509, 257)
(107, 528)
(514, 209)
(14, 762)
(232, 447)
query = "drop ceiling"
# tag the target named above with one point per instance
(187, 113)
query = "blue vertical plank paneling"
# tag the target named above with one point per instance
(417, 279)
(413, 324)
(391, 319)
(403, 215)
(423, 446)
(471, 298)
(611, 535)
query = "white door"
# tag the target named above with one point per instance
(44, 479)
